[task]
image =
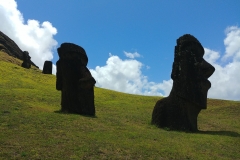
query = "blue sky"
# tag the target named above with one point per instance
(109, 29)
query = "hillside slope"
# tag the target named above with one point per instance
(11, 48)
(32, 128)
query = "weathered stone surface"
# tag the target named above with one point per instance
(190, 73)
(47, 67)
(74, 80)
(26, 60)
(11, 48)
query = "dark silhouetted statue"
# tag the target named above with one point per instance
(75, 80)
(190, 73)
(47, 68)
(26, 60)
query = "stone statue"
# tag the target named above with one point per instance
(26, 60)
(190, 73)
(75, 80)
(47, 68)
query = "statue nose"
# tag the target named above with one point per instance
(207, 69)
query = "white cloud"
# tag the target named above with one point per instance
(32, 36)
(211, 56)
(118, 74)
(232, 43)
(226, 78)
(132, 55)
(126, 76)
(148, 67)
(54, 70)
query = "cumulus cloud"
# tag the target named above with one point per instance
(132, 55)
(232, 43)
(32, 36)
(225, 80)
(211, 56)
(123, 74)
(54, 70)
(126, 76)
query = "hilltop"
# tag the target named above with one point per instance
(32, 127)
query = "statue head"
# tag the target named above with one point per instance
(72, 52)
(26, 56)
(190, 72)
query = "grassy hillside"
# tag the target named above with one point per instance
(31, 127)
(5, 57)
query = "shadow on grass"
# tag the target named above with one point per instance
(61, 112)
(221, 133)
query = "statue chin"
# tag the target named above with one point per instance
(199, 100)
(205, 84)
(195, 93)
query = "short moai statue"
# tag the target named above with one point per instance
(26, 60)
(47, 67)
(190, 73)
(74, 80)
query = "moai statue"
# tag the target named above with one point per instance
(74, 80)
(190, 73)
(47, 68)
(26, 60)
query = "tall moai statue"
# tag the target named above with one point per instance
(26, 60)
(47, 67)
(74, 80)
(190, 73)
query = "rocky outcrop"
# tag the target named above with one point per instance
(11, 48)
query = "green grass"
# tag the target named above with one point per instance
(31, 127)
